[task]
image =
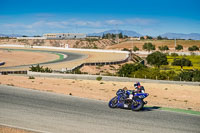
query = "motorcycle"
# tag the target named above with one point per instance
(121, 101)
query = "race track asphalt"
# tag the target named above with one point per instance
(56, 113)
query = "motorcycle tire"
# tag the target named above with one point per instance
(113, 102)
(139, 106)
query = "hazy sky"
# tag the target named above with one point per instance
(148, 17)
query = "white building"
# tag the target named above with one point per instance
(64, 35)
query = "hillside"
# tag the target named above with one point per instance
(102, 43)
(193, 36)
(157, 43)
(88, 43)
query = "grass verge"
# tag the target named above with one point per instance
(175, 110)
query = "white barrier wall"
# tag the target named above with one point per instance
(60, 48)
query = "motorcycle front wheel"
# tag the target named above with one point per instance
(113, 102)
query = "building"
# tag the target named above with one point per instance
(134, 38)
(64, 36)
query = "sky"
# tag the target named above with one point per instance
(147, 17)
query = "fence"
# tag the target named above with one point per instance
(100, 63)
(12, 72)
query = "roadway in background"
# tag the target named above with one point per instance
(69, 57)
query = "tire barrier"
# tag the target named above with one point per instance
(12, 72)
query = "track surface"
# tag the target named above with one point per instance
(56, 113)
(70, 56)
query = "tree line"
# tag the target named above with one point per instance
(149, 47)
(114, 36)
(157, 38)
(157, 59)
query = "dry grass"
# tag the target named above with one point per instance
(157, 43)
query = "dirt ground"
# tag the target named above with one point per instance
(15, 58)
(5, 129)
(103, 70)
(164, 95)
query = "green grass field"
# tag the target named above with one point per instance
(193, 58)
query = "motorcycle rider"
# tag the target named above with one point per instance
(139, 88)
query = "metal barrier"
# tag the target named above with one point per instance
(100, 63)
(12, 72)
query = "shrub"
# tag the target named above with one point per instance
(77, 71)
(179, 47)
(127, 69)
(182, 62)
(153, 73)
(148, 46)
(196, 75)
(174, 54)
(193, 48)
(163, 48)
(157, 59)
(191, 75)
(125, 49)
(159, 38)
(39, 68)
(31, 77)
(135, 48)
(99, 78)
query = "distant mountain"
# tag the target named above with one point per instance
(10, 35)
(193, 36)
(124, 32)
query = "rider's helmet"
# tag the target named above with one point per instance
(137, 84)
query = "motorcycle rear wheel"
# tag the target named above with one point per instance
(139, 106)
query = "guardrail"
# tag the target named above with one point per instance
(12, 72)
(100, 63)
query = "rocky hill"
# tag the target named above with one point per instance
(75, 43)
